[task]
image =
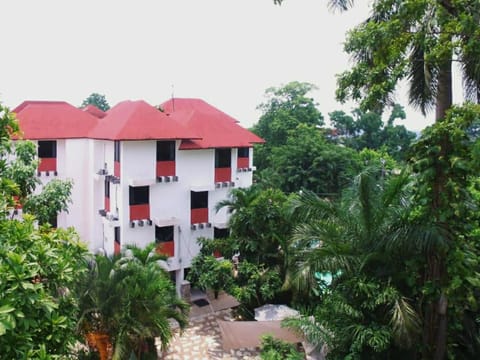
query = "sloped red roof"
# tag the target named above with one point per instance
(95, 111)
(53, 120)
(137, 120)
(215, 128)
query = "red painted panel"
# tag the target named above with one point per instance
(165, 168)
(116, 169)
(217, 254)
(199, 216)
(166, 248)
(139, 212)
(47, 164)
(107, 204)
(243, 162)
(116, 247)
(223, 174)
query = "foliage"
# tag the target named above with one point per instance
(307, 161)
(39, 272)
(207, 272)
(259, 224)
(255, 285)
(54, 197)
(274, 349)
(286, 108)
(40, 269)
(367, 130)
(98, 100)
(364, 312)
(131, 300)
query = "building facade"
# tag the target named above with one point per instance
(142, 174)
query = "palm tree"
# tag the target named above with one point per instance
(129, 301)
(364, 311)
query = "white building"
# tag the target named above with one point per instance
(141, 174)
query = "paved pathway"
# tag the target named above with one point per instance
(202, 341)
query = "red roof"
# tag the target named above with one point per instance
(95, 111)
(216, 129)
(53, 120)
(137, 120)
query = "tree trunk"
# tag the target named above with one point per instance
(444, 90)
(435, 321)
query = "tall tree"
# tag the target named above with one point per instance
(286, 107)
(99, 100)
(40, 268)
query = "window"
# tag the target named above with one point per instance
(47, 149)
(139, 195)
(243, 152)
(107, 187)
(220, 233)
(116, 150)
(165, 150)
(116, 244)
(223, 158)
(117, 235)
(163, 234)
(199, 199)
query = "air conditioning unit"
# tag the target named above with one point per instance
(175, 178)
(218, 185)
(47, 173)
(132, 224)
(200, 226)
(111, 217)
(208, 225)
(225, 184)
(55, 173)
(250, 169)
(167, 178)
(102, 172)
(193, 227)
(149, 222)
(140, 222)
(159, 179)
(232, 184)
(102, 212)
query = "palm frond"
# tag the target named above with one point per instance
(405, 322)
(422, 79)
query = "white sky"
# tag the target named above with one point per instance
(226, 52)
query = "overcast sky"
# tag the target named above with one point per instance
(226, 52)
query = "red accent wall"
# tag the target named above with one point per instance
(107, 204)
(243, 162)
(223, 174)
(116, 169)
(165, 168)
(199, 216)
(47, 164)
(139, 212)
(166, 248)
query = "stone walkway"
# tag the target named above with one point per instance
(202, 341)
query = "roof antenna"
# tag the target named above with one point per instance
(173, 98)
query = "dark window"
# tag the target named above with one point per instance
(243, 152)
(47, 149)
(116, 150)
(117, 234)
(220, 233)
(199, 199)
(139, 195)
(223, 158)
(53, 221)
(163, 233)
(107, 187)
(165, 150)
